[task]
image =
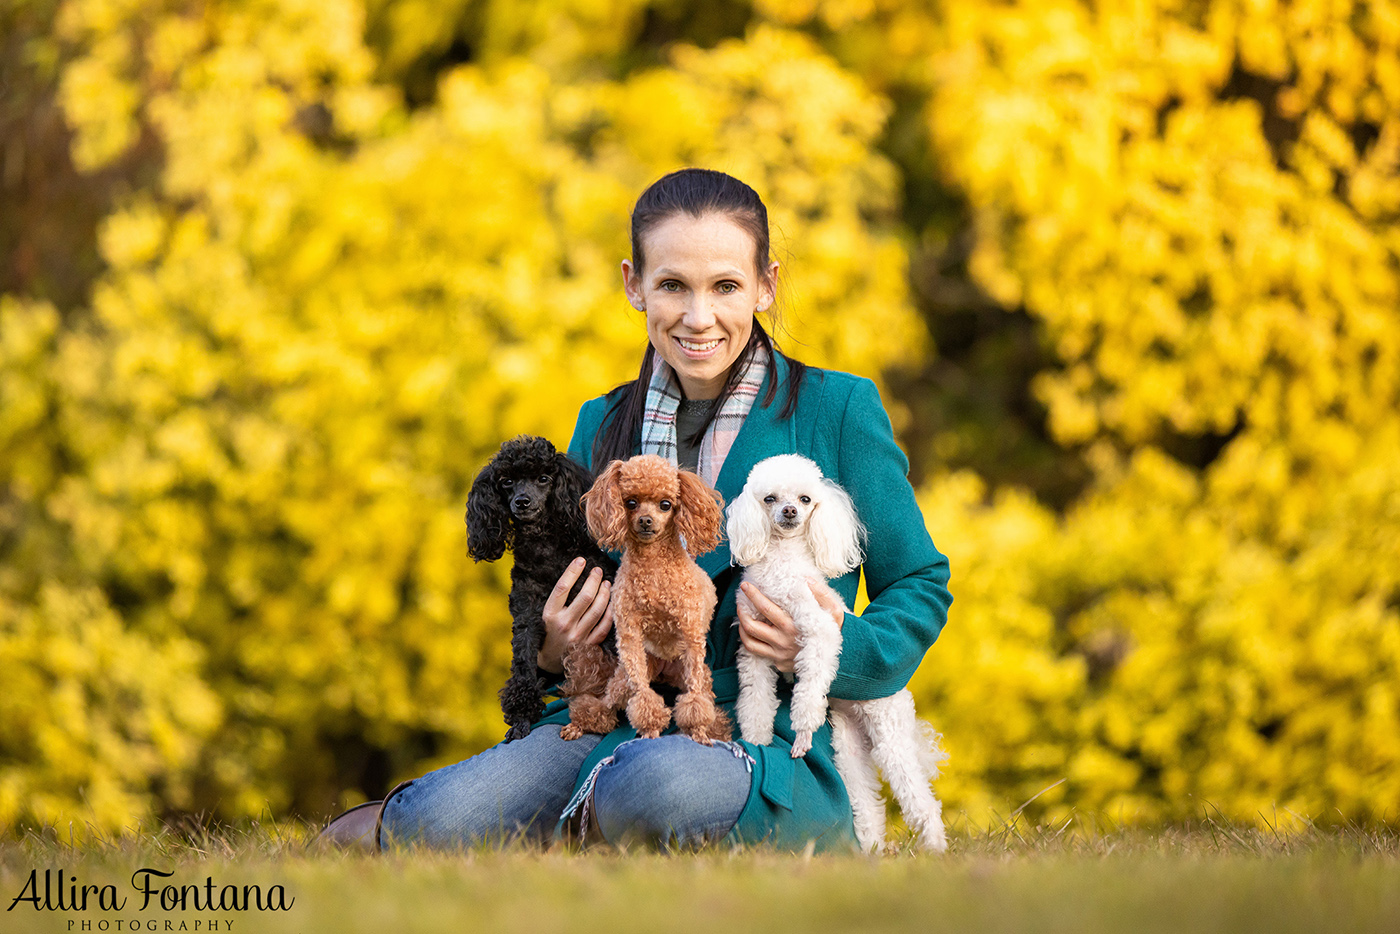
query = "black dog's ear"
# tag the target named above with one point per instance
(571, 481)
(489, 529)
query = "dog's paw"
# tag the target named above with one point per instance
(695, 712)
(588, 714)
(648, 714)
(801, 743)
(517, 732)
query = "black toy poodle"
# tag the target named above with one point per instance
(526, 499)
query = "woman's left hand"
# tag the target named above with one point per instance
(770, 633)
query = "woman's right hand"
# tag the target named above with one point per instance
(587, 619)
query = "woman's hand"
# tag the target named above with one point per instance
(770, 633)
(587, 619)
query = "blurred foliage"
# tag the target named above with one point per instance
(313, 329)
(1201, 205)
(278, 276)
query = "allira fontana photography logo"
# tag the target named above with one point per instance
(152, 891)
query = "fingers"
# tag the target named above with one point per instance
(755, 627)
(782, 659)
(593, 626)
(765, 607)
(559, 596)
(769, 632)
(587, 597)
(567, 623)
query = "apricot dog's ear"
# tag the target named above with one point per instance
(701, 512)
(607, 520)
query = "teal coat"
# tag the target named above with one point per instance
(840, 424)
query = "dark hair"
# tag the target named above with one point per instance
(696, 192)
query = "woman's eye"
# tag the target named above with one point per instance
(770, 500)
(670, 285)
(727, 287)
(805, 500)
(631, 504)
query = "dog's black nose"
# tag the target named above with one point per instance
(520, 502)
(789, 512)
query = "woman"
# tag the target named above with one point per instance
(714, 395)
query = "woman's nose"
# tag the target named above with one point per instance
(699, 315)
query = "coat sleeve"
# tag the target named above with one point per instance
(906, 577)
(590, 419)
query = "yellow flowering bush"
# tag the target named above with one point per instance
(1162, 665)
(312, 331)
(347, 248)
(1199, 203)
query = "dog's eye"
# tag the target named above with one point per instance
(805, 499)
(630, 503)
(505, 483)
(544, 479)
(665, 505)
(770, 499)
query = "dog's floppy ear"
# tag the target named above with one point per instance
(571, 481)
(835, 532)
(607, 520)
(700, 514)
(489, 529)
(748, 528)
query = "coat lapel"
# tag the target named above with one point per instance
(763, 435)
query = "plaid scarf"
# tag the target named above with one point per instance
(664, 398)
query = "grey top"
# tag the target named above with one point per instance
(689, 417)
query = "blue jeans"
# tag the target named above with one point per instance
(665, 791)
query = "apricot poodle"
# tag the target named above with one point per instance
(661, 518)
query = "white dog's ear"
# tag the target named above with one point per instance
(747, 529)
(835, 532)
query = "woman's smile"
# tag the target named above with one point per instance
(699, 350)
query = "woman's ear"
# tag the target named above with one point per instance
(748, 529)
(489, 529)
(768, 288)
(632, 285)
(602, 504)
(835, 532)
(700, 514)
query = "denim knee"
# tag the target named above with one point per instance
(510, 791)
(670, 790)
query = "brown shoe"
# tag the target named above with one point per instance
(353, 830)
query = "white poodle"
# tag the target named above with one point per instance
(789, 524)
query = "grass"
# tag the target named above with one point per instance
(1211, 876)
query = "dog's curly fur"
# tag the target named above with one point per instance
(662, 518)
(527, 499)
(788, 525)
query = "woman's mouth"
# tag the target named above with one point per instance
(699, 350)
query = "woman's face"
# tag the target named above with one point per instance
(699, 291)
